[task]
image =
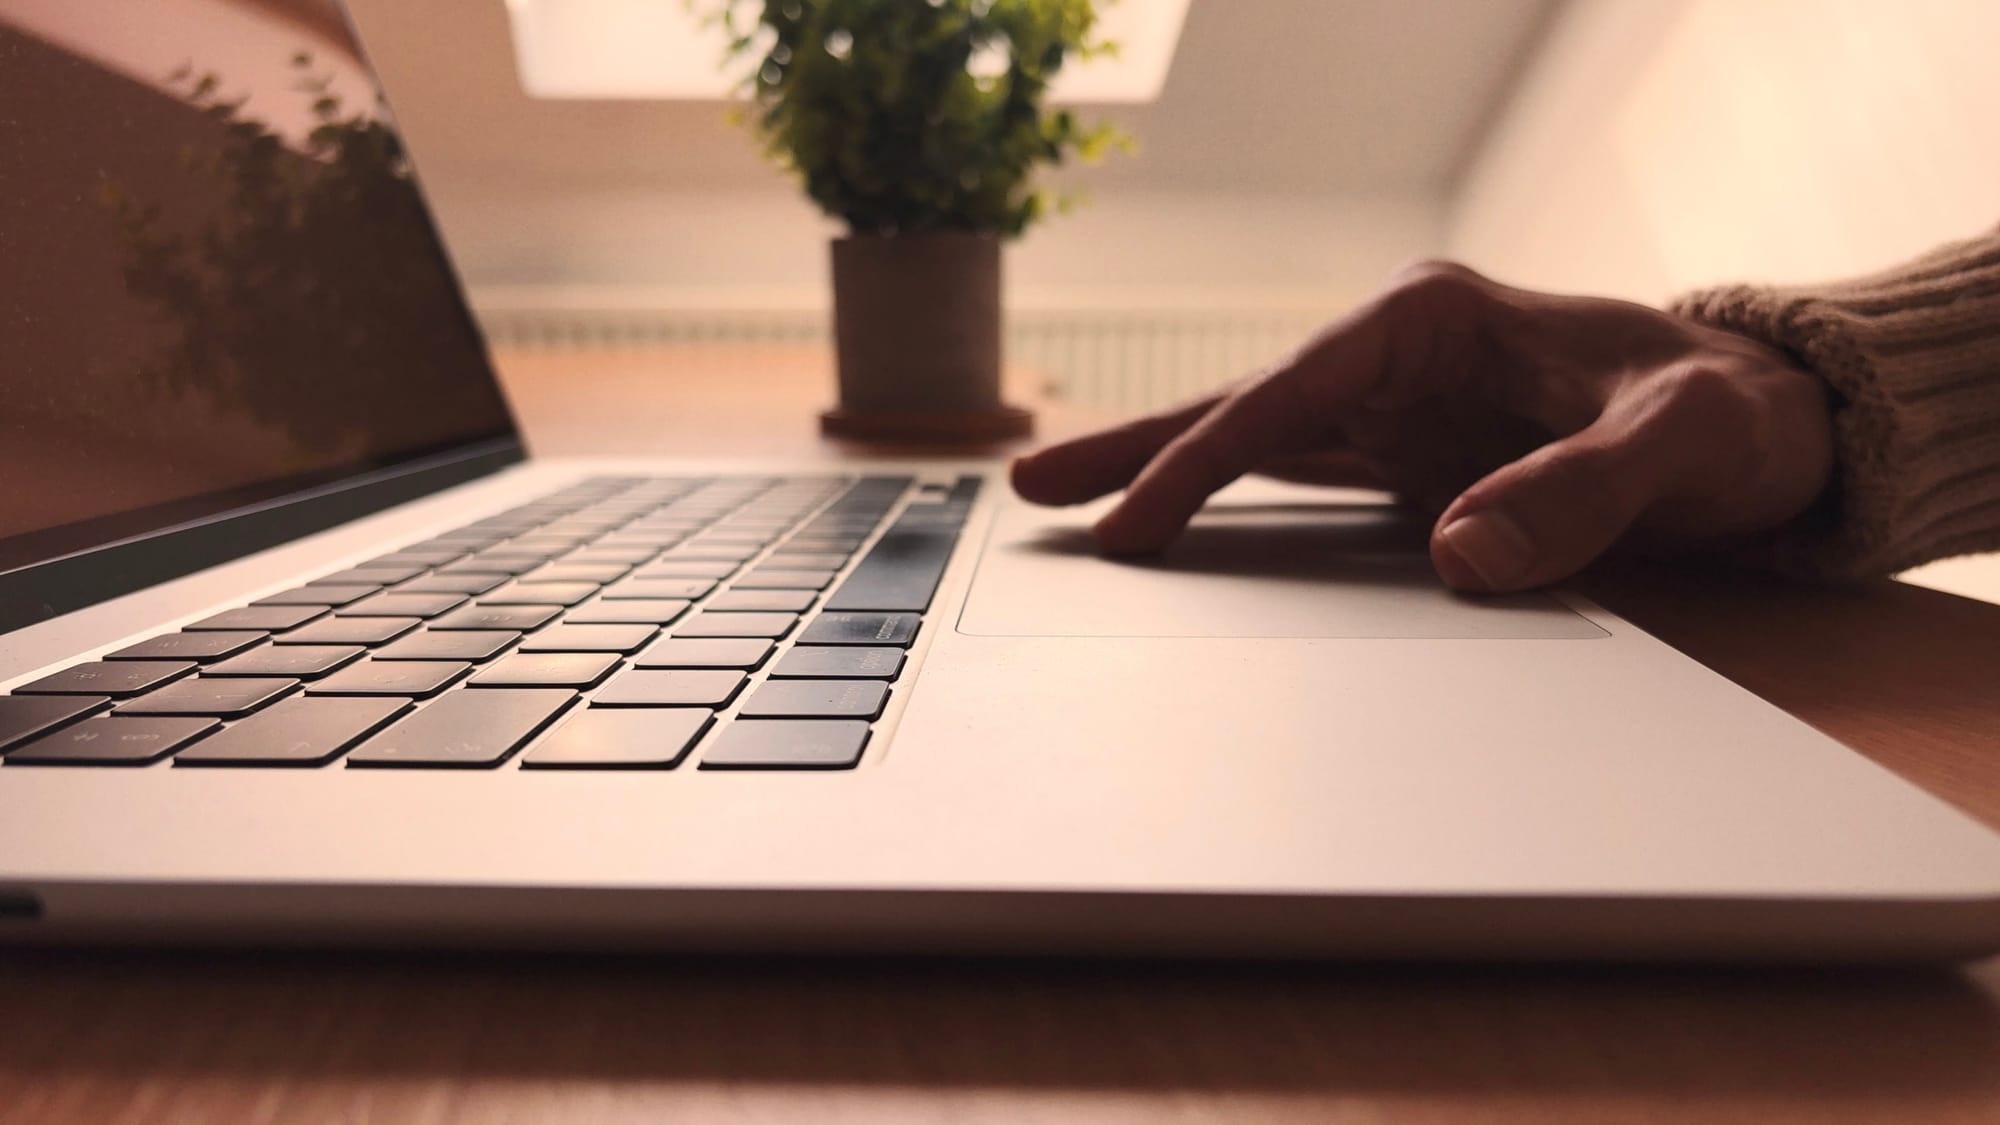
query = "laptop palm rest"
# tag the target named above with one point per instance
(1263, 560)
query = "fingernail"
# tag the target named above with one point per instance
(1492, 545)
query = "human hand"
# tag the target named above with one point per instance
(1543, 429)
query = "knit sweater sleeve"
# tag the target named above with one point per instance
(1912, 357)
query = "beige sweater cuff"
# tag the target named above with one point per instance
(1913, 357)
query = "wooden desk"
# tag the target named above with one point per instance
(1903, 674)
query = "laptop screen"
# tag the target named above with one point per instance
(218, 282)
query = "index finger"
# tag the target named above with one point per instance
(1288, 411)
(1085, 468)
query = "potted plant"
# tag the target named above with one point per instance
(920, 125)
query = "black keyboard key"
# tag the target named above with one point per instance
(627, 611)
(630, 554)
(839, 545)
(23, 717)
(466, 729)
(900, 572)
(597, 574)
(687, 568)
(110, 740)
(264, 618)
(869, 496)
(517, 618)
(806, 560)
(548, 545)
(223, 696)
(435, 554)
(631, 539)
(540, 593)
(817, 699)
(411, 678)
(305, 730)
(617, 738)
(949, 517)
(776, 578)
(370, 580)
(188, 646)
(656, 528)
(326, 595)
(451, 584)
(776, 744)
(659, 687)
(502, 565)
(300, 661)
(371, 574)
(768, 625)
(418, 556)
(108, 677)
(857, 525)
(862, 629)
(348, 631)
(465, 539)
(398, 604)
(712, 552)
(547, 669)
(840, 662)
(659, 589)
(449, 644)
(568, 637)
(761, 601)
(590, 522)
(674, 652)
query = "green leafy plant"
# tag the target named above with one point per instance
(909, 116)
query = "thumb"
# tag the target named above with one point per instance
(1549, 514)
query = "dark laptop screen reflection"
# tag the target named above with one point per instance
(218, 287)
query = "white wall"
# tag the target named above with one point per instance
(1301, 150)
(733, 247)
(1658, 145)
(1300, 146)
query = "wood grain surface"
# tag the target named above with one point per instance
(1905, 675)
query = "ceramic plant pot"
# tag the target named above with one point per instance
(917, 337)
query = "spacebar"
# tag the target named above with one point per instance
(900, 573)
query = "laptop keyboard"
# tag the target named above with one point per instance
(619, 623)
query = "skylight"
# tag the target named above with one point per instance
(658, 49)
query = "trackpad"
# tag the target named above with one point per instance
(1262, 560)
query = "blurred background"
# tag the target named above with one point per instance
(1297, 151)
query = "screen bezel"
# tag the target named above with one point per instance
(113, 555)
(41, 591)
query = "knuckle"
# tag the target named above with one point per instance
(1436, 269)
(1432, 296)
(1435, 283)
(1704, 391)
(1710, 418)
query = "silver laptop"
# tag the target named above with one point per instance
(297, 646)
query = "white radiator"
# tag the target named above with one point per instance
(1127, 357)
